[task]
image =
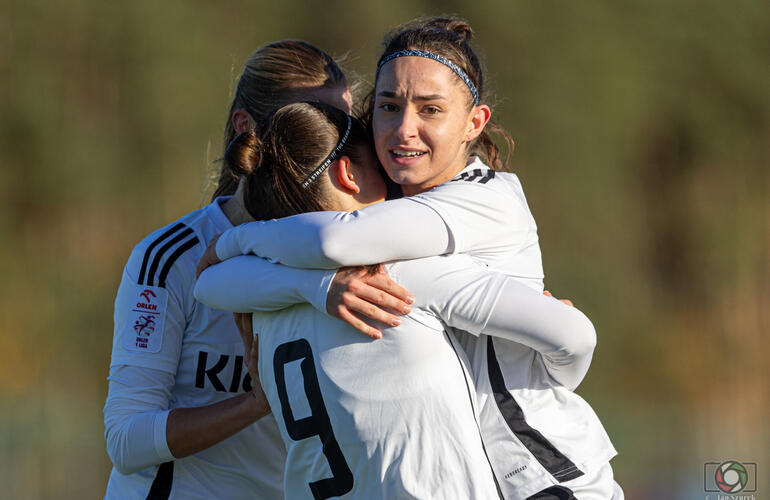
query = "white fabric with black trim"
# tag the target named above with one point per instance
(485, 214)
(170, 351)
(397, 415)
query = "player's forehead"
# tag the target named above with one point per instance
(417, 78)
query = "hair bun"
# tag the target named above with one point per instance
(244, 152)
(456, 25)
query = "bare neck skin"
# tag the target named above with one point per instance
(235, 209)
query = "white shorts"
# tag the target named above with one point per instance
(595, 485)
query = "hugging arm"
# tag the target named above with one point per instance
(140, 432)
(562, 334)
(391, 230)
(479, 300)
(249, 284)
(140, 428)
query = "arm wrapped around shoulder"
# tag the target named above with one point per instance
(562, 334)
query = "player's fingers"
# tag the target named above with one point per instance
(369, 310)
(255, 349)
(209, 257)
(356, 322)
(383, 281)
(243, 322)
(369, 291)
(566, 301)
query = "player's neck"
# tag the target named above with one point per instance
(235, 209)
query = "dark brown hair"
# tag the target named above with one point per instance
(285, 149)
(274, 75)
(449, 37)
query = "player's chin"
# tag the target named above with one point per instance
(403, 175)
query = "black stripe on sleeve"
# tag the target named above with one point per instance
(490, 175)
(554, 493)
(159, 254)
(150, 248)
(482, 177)
(476, 174)
(174, 256)
(161, 486)
(554, 461)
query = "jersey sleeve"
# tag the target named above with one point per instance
(486, 211)
(478, 300)
(251, 284)
(392, 230)
(562, 334)
(135, 417)
(150, 316)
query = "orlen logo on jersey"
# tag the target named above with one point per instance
(148, 295)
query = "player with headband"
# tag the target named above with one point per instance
(432, 139)
(180, 413)
(392, 418)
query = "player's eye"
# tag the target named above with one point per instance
(388, 107)
(431, 110)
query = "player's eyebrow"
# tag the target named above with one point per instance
(428, 97)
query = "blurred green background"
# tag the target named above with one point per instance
(643, 142)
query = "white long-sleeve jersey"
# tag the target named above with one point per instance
(537, 431)
(393, 418)
(170, 351)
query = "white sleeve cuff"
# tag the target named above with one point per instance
(159, 436)
(318, 298)
(228, 245)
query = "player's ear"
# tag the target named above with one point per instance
(343, 171)
(242, 121)
(477, 120)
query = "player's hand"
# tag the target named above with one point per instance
(209, 257)
(355, 291)
(251, 354)
(566, 301)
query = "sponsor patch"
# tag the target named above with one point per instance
(144, 326)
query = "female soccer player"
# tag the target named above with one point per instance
(180, 407)
(428, 119)
(392, 418)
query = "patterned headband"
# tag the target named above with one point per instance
(443, 60)
(329, 159)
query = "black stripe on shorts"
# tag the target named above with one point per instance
(554, 461)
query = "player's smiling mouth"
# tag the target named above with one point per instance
(403, 153)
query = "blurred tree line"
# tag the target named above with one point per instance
(643, 143)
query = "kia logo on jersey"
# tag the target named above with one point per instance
(147, 304)
(216, 374)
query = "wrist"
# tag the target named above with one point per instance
(257, 404)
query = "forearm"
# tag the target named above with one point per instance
(190, 430)
(135, 417)
(510, 310)
(564, 336)
(249, 284)
(393, 230)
